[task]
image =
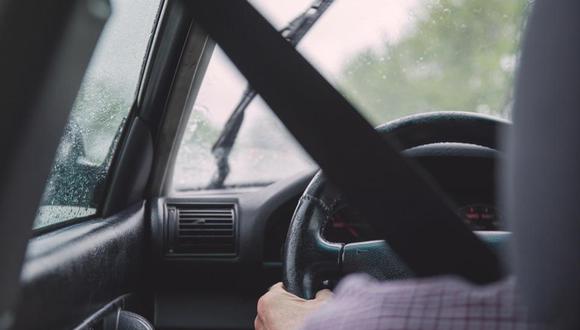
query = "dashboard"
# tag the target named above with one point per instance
(346, 226)
(260, 218)
(252, 226)
(465, 172)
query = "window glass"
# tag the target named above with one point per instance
(102, 104)
(400, 57)
(389, 58)
(264, 151)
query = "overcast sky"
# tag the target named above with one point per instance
(347, 28)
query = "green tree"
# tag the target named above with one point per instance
(459, 55)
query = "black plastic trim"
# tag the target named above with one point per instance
(129, 179)
(254, 209)
(168, 254)
(102, 313)
(56, 226)
(164, 58)
(73, 272)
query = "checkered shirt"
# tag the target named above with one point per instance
(361, 302)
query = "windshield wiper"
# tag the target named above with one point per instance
(293, 32)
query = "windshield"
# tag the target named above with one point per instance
(394, 58)
(389, 58)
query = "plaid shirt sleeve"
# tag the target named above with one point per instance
(361, 302)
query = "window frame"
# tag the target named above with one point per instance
(188, 79)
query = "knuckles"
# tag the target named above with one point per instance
(263, 304)
(257, 323)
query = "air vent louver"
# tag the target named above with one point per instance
(202, 229)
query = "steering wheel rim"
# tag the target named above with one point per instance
(308, 257)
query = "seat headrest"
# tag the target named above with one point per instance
(542, 177)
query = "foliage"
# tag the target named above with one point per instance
(455, 55)
(458, 56)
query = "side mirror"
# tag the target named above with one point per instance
(72, 145)
(73, 177)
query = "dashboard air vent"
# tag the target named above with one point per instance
(202, 230)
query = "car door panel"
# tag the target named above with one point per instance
(73, 272)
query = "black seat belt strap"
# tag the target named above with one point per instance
(394, 195)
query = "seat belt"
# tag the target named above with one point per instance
(391, 192)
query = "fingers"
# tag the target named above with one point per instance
(263, 306)
(278, 309)
(277, 286)
(258, 324)
(277, 291)
(323, 294)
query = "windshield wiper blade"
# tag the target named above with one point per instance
(293, 32)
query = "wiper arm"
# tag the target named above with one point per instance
(293, 32)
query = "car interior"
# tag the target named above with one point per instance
(138, 205)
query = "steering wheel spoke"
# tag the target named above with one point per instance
(324, 264)
(375, 258)
(309, 258)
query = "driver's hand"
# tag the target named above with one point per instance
(280, 310)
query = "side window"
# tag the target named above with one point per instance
(105, 97)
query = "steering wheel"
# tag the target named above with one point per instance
(309, 258)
